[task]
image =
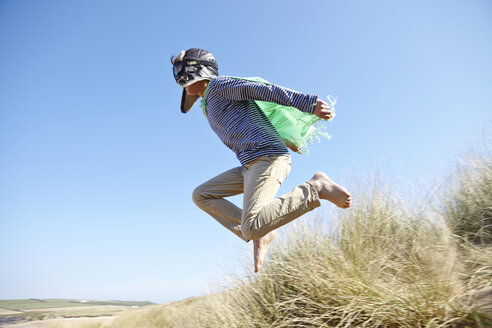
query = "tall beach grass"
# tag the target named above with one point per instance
(383, 263)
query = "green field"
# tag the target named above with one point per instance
(35, 304)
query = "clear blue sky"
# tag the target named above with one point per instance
(97, 164)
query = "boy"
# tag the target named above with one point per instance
(230, 107)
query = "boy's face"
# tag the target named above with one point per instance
(195, 89)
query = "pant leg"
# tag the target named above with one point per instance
(262, 212)
(209, 196)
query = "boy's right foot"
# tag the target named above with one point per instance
(329, 190)
(260, 248)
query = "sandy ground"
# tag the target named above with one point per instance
(62, 322)
(4, 312)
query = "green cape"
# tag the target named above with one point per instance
(296, 128)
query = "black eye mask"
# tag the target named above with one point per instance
(185, 73)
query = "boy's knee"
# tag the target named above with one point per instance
(198, 196)
(249, 230)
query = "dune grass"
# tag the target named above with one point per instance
(468, 207)
(383, 263)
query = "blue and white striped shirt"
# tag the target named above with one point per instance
(241, 124)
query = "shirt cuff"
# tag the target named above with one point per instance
(311, 100)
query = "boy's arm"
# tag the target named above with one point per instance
(240, 89)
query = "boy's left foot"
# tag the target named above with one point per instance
(331, 191)
(260, 248)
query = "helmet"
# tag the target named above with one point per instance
(191, 66)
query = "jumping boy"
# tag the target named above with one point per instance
(230, 107)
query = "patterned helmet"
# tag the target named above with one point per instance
(192, 66)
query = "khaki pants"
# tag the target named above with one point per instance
(259, 181)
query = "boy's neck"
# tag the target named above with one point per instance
(203, 88)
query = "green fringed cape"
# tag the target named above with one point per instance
(296, 128)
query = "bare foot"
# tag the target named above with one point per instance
(329, 190)
(260, 248)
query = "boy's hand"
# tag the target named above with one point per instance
(322, 110)
(292, 147)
